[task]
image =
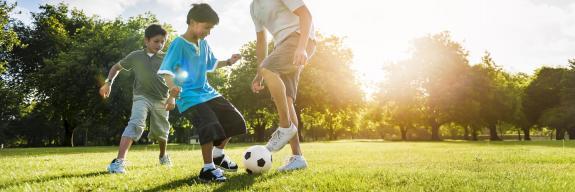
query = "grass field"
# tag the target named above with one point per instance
(334, 166)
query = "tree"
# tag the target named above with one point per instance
(328, 82)
(495, 99)
(439, 64)
(10, 98)
(401, 96)
(542, 94)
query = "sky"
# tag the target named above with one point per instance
(521, 35)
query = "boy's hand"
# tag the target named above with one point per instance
(105, 90)
(300, 57)
(257, 85)
(175, 92)
(170, 104)
(234, 58)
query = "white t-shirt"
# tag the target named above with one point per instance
(277, 17)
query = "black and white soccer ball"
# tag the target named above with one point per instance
(257, 159)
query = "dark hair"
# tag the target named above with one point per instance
(202, 13)
(153, 30)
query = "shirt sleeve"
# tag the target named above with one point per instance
(293, 4)
(212, 61)
(171, 60)
(127, 62)
(257, 23)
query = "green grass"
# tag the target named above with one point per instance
(333, 166)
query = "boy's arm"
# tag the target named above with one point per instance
(261, 54)
(107, 87)
(230, 61)
(305, 20)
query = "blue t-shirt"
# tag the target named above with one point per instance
(189, 65)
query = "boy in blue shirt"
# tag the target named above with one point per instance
(187, 62)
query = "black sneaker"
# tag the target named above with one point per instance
(225, 163)
(212, 175)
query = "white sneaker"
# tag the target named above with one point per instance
(294, 163)
(165, 160)
(117, 166)
(280, 138)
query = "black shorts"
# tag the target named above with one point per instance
(216, 120)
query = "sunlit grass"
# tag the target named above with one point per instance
(334, 166)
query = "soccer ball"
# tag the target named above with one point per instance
(257, 159)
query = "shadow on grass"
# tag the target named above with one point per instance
(49, 178)
(234, 183)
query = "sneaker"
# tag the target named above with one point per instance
(165, 160)
(117, 166)
(281, 138)
(209, 175)
(294, 163)
(225, 163)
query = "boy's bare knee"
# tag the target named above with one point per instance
(266, 73)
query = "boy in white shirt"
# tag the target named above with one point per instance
(290, 23)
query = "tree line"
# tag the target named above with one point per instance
(51, 70)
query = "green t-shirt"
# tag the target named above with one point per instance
(147, 81)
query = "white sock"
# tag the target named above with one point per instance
(217, 152)
(289, 129)
(209, 166)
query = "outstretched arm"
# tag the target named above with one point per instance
(230, 61)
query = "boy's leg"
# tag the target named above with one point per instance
(125, 144)
(207, 152)
(163, 146)
(205, 121)
(132, 132)
(278, 93)
(296, 161)
(286, 130)
(136, 125)
(159, 125)
(160, 129)
(233, 123)
(294, 142)
(222, 145)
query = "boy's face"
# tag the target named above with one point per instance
(200, 30)
(156, 43)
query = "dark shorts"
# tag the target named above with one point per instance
(280, 61)
(216, 120)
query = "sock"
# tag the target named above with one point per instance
(288, 129)
(209, 166)
(217, 152)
